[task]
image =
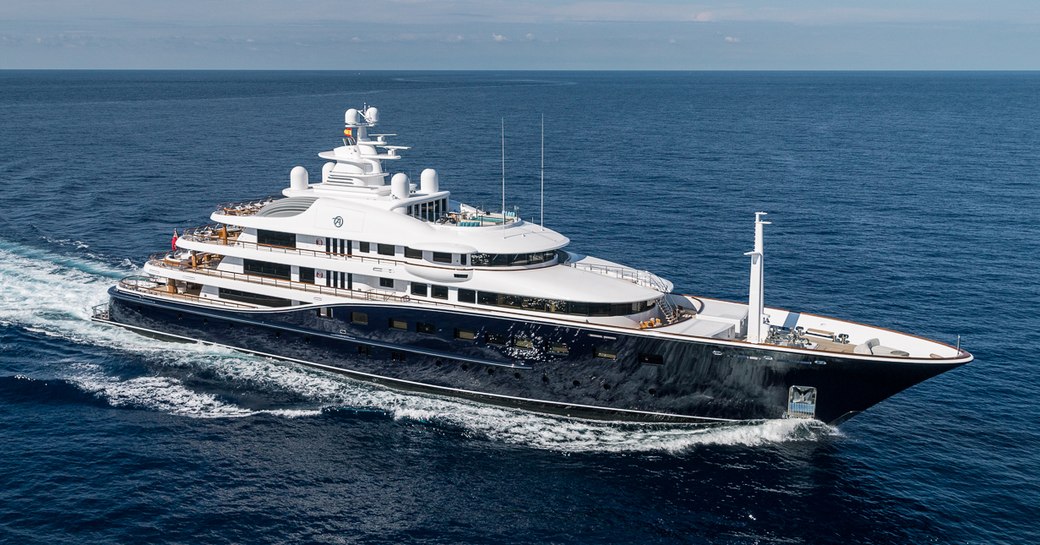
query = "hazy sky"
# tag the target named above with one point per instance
(499, 34)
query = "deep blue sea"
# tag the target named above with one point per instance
(905, 200)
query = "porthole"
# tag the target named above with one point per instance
(606, 386)
(516, 374)
(652, 391)
(576, 383)
(545, 379)
(490, 371)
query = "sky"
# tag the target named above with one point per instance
(521, 35)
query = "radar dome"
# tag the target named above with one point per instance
(372, 114)
(298, 178)
(399, 186)
(351, 117)
(428, 182)
(326, 169)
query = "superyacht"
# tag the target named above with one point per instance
(393, 281)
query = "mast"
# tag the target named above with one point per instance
(756, 291)
(541, 220)
(503, 171)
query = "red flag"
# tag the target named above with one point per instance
(173, 243)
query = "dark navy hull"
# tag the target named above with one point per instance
(695, 381)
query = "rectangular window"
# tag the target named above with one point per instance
(275, 238)
(328, 245)
(439, 292)
(523, 342)
(605, 353)
(495, 338)
(364, 350)
(385, 249)
(307, 275)
(253, 298)
(398, 324)
(263, 268)
(652, 359)
(363, 247)
(441, 257)
(465, 334)
(423, 327)
(386, 282)
(325, 312)
(559, 348)
(412, 253)
(487, 298)
(359, 318)
(463, 258)
(418, 288)
(467, 296)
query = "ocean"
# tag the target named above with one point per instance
(907, 200)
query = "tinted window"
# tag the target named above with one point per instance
(386, 282)
(398, 324)
(441, 257)
(418, 288)
(439, 292)
(307, 275)
(263, 268)
(412, 253)
(275, 238)
(359, 318)
(253, 298)
(385, 249)
(363, 247)
(605, 353)
(467, 296)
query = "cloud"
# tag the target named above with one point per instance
(732, 40)
(499, 38)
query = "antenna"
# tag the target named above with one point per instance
(503, 171)
(541, 221)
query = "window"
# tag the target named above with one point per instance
(275, 238)
(463, 258)
(398, 324)
(253, 298)
(385, 249)
(396, 356)
(325, 312)
(412, 253)
(441, 257)
(467, 296)
(307, 275)
(559, 349)
(263, 268)
(652, 359)
(523, 342)
(386, 282)
(512, 260)
(359, 318)
(604, 353)
(465, 334)
(363, 247)
(423, 327)
(418, 288)
(495, 338)
(439, 292)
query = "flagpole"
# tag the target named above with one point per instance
(541, 220)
